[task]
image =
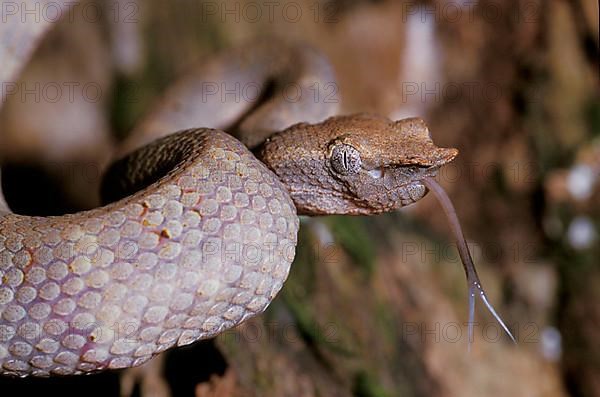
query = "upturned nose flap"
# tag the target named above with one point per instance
(408, 144)
(417, 147)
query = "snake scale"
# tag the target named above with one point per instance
(199, 232)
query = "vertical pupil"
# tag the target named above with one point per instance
(345, 159)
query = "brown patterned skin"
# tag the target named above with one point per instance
(199, 234)
(385, 162)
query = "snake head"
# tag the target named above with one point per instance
(359, 164)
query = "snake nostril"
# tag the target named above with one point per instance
(376, 173)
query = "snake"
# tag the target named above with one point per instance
(199, 226)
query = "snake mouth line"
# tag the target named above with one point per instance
(417, 172)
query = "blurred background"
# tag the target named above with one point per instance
(374, 306)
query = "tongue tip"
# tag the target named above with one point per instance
(474, 284)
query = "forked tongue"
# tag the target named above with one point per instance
(475, 287)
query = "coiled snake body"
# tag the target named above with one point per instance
(208, 240)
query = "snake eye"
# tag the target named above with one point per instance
(345, 159)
